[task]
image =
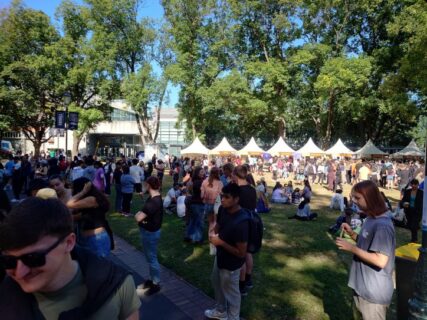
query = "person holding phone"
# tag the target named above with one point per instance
(373, 254)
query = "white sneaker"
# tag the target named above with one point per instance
(215, 314)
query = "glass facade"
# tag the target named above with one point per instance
(121, 115)
(168, 134)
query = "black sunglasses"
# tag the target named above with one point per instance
(31, 260)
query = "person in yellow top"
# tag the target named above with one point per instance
(364, 172)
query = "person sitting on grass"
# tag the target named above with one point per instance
(169, 203)
(296, 196)
(288, 190)
(303, 212)
(338, 201)
(278, 195)
(181, 208)
(262, 205)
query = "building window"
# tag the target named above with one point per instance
(121, 115)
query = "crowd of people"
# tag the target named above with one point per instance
(222, 192)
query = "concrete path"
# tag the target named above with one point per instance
(177, 299)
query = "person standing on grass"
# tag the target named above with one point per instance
(194, 232)
(247, 200)
(117, 174)
(127, 185)
(150, 221)
(371, 274)
(210, 190)
(412, 204)
(137, 174)
(230, 238)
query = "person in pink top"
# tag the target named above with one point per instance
(210, 190)
(99, 181)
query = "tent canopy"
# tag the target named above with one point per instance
(310, 149)
(196, 148)
(411, 150)
(369, 149)
(223, 148)
(339, 149)
(280, 148)
(251, 148)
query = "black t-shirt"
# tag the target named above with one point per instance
(197, 192)
(247, 197)
(232, 234)
(153, 208)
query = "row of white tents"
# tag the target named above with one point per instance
(310, 149)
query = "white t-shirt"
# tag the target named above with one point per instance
(169, 196)
(180, 206)
(337, 202)
(136, 173)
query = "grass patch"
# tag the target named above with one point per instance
(299, 273)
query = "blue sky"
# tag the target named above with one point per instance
(149, 8)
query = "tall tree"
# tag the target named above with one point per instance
(29, 79)
(131, 41)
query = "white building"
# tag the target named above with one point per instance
(115, 137)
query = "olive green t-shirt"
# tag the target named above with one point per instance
(121, 305)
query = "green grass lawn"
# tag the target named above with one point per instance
(299, 273)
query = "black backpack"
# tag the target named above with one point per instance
(256, 229)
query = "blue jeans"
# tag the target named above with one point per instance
(99, 244)
(196, 224)
(119, 198)
(149, 243)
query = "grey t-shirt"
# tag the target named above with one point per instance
(370, 282)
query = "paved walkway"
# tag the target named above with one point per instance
(177, 300)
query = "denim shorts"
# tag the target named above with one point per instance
(209, 208)
(98, 244)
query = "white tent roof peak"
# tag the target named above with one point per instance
(251, 148)
(369, 149)
(310, 148)
(280, 147)
(223, 147)
(410, 150)
(196, 147)
(339, 148)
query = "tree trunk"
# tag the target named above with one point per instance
(193, 127)
(282, 128)
(77, 138)
(140, 129)
(331, 104)
(37, 145)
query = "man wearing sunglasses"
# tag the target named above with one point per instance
(230, 236)
(49, 278)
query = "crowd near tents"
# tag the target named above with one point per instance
(309, 149)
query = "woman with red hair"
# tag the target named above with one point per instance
(373, 254)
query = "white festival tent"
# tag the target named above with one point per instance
(196, 148)
(339, 149)
(411, 150)
(310, 149)
(223, 148)
(369, 149)
(251, 148)
(280, 148)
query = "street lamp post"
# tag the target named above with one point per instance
(67, 101)
(418, 304)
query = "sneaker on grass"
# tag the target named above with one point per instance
(215, 314)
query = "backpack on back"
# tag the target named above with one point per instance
(256, 230)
